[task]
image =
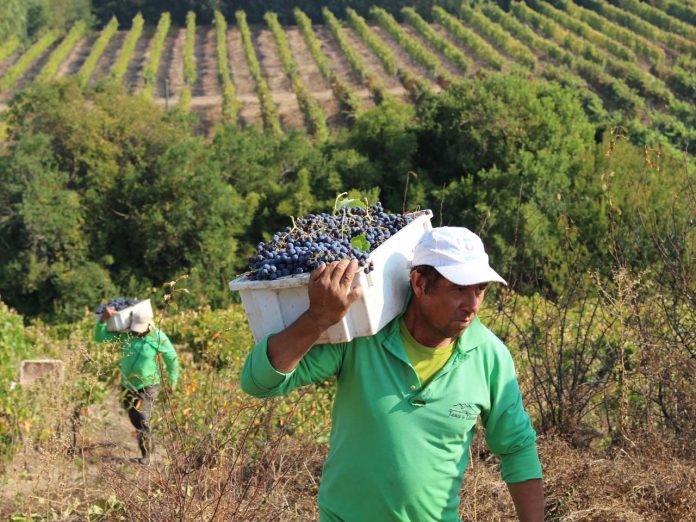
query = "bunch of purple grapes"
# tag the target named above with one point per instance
(349, 233)
(119, 303)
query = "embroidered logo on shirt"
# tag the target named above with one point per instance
(464, 410)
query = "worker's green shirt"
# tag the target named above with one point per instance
(139, 367)
(398, 451)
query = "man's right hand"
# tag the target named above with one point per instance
(330, 294)
(108, 313)
(330, 297)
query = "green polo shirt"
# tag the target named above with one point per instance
(138, 365)
(398, 451)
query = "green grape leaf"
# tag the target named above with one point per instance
(360, 242)
(351, 203)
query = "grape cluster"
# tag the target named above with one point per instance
(119, 303)
(349, 233)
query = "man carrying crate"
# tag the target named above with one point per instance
(408, 397)
(140, 372)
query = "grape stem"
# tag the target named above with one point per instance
(338, 198)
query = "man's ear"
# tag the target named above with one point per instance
(418, 283)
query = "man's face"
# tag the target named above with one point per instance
(447, 308)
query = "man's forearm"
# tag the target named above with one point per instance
(528, 497)
(286, 348)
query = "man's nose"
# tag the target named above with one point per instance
(470, 301)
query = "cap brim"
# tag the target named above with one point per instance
(465, 275)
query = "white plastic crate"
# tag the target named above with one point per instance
(121, 320)
(272, 306)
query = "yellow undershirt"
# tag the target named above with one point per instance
(425, 360)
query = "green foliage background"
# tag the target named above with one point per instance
(25, 19)
(105, 193)
(124, 10)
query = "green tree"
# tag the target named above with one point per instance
(282, 175)
(648, 197)
(183, 216)
(27, 19)
(386, 137)
(13, 19)
(508, 152)
(42, 229)
(145, 200)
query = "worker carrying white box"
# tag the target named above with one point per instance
(408, 397)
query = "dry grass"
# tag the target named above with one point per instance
(280, 481)
(637, 485)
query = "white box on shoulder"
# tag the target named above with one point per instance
(272, 306)
(121, 320)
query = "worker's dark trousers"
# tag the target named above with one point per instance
(138, 404)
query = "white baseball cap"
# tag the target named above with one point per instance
(141, 321)
(457, 253)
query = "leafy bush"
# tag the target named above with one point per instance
(505, 143)
(8, 47)
(26, 20)
(159, 205)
